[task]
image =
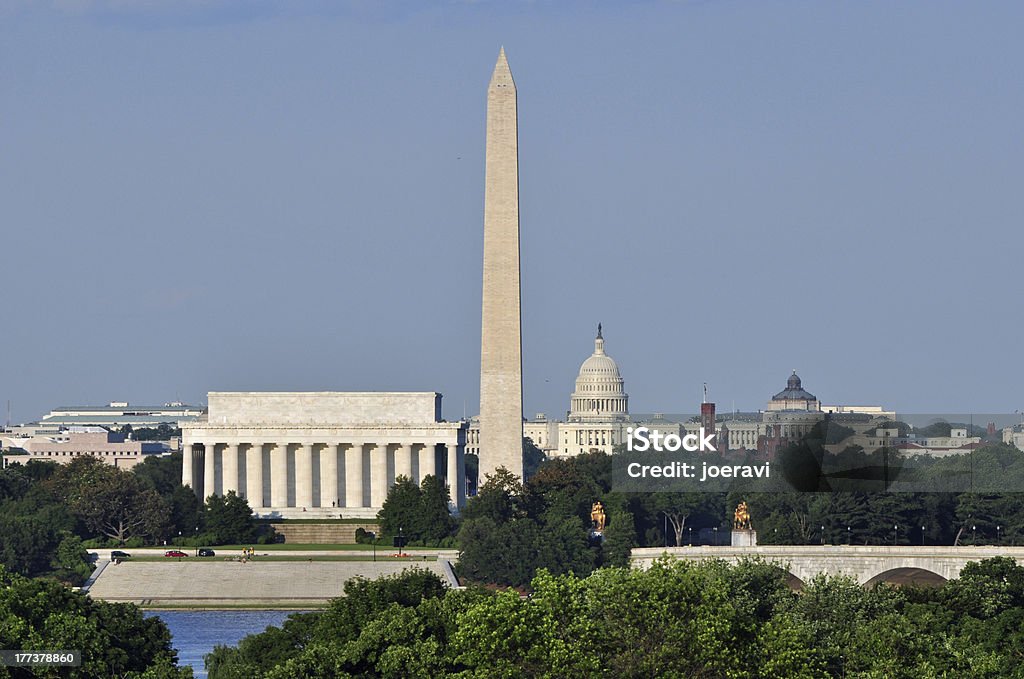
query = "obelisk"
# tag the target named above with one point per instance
(501, 354)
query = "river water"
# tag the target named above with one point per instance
(195, 633)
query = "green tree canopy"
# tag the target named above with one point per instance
(116, 640)
(228, 520)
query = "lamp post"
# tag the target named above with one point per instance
(691, 535)
(922, 536)
(822, 536)
(998, 528)
(974, 535)
(373, 540)
(849, 536)
(895, 534)
(716, 536)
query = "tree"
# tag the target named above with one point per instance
(162, 473)
(400, 508)
(619, 537)
(185, 511)
(677, 508)
(563, 487)
(111, 501)
(500, 498)
(115, 639)
(27, 545)
(71, 560)
(533, 457)
(359, 634)
(435, 522)
(228, 520)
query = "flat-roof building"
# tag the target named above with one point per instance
(120, 413)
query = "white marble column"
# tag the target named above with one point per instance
(427, 461)
(452, 477)
(403, 462)
(186, 467)
(209, 470)
(279, 475)
(457, 473)
(378, 474)
(354, 475)
(329, 476)
(304, 476)
(229, 468)
(254, 475)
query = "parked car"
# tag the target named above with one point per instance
(118, 554)
(175, 553)
(206, 552)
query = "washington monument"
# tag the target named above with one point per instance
(501, 352)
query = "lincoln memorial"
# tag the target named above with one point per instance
(294, 454)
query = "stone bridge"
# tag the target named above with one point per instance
(869, 565)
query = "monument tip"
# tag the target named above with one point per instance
(502, 75)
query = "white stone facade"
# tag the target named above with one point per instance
(1014, 436)
(291, 453)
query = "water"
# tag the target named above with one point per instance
(195, 633)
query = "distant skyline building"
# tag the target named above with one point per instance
(65, 445)
(120, 413)
(501, 360)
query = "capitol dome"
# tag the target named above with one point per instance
(599, 394)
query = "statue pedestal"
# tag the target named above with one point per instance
(744, 538)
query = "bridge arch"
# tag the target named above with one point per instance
(792, 580)
(904, 576)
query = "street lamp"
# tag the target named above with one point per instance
(895, 534)
(998, 528)
(922, 536)
(716, 536)
(849, 536)
(974, 535)
(823, 536)
(373, 540)
(691, 535)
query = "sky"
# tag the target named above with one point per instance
(249, 195)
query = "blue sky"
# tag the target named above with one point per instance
(216, 195)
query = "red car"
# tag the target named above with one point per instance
(175, 553)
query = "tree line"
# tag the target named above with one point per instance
(115, 640)
(510, 529)
(676, 619)
(51, 514)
